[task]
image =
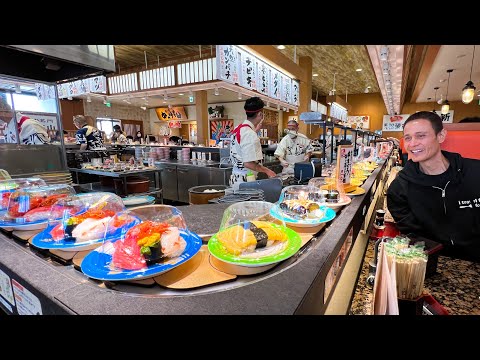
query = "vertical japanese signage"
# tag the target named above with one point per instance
(446, 118)
(344, 163)
(295, 92)
(275, 84)
(249, 71)
(227, 63)
(263, 82)
(286, 89)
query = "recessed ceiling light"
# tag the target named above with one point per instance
(181, 94)
(369, 87)
(358, 69)
(443, 80)
(281, 47)
(315, 74)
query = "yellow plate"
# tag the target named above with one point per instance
(354, 181)
(357, 191)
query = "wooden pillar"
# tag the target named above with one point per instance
(305, 91)
(201, 113)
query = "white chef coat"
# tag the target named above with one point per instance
(293, 151)
(249, 149)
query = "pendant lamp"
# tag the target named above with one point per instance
(469, 90)
(446, 104)
(434, 101)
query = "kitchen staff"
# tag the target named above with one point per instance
(245, 149)
(87, 136)
(294, 147)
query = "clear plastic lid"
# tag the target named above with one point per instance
(249, 233)
(87, 217)
(10, 185)
(302, 202)
(162, 236)
(34, 204)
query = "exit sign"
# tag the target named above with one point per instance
(191, 98)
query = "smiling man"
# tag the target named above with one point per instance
(437, 195)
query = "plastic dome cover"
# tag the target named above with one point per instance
(162, 236)
(328, 191)
(35, 204)
(91, 217)
(10, 185)
(301, 202)
(248, 231)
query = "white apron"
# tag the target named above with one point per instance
(291, 159)
(239, 176)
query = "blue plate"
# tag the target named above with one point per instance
(279, 214)
(44, 240)
(97, 264)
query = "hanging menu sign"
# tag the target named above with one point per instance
(96, 84)
(344, 163)
(171, 113)
(263, 81)
(227, 63)
(295, 92)
(249, 71)
(275, 84)
(286, 89)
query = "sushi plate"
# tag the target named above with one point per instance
(44, 239)
(34, 225)
(343, 201)
(138, 200)
(294, 243)
(97, 264)
(357, 191)
(278, 214)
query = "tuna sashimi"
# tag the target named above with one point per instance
(127, 255)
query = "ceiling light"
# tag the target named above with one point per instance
(281, 47)
(315, 75)
(69, 98)
(165, 96)
(17, 89)
(216, 93)
(435, 100)
(278, 106)
(181, 94)
(446, 104)
(367, 90)
(358, 69)
(468, 91)
(386, 68)
(143, 108)
(239, 96)
(89, 99)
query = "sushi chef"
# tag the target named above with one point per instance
(294, 147)
(245, 148)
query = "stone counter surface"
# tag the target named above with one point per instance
(456, 286)
(293, 287)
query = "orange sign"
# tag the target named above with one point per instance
(171, 113)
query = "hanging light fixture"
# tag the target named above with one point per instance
(446, 104)
(332, 92)
(468, 91)
(434, 101)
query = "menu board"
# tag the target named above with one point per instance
(227, 63)
(263, 79)
(275, 84)
(286, 89)
(249, 71)
(361, 122)
(344, 163)
(394, 122)
(171, 113)
(295, 92)
(96, 84)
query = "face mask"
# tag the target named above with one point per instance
(292, 135)
(329, 133)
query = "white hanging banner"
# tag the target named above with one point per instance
(249, 71)
(344, 163)
(227, 63)
(98, 84)
(263, 80)
(295, 92)
(446, 118)
(275, 84)
(286, 89)
(394, 122)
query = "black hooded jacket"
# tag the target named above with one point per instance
(444, 208)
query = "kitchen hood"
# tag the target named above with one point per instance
(55, 63)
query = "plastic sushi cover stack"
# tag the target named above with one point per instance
(248, 231)
(35, 204)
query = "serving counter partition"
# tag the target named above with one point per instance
(302, 284)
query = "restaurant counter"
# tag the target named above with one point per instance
(295, 286)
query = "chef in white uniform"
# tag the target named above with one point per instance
(294, 147)
(245, 148)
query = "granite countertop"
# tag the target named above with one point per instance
(455, 286)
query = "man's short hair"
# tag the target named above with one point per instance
(293, 122)
(435, 120)
(117, 128)
(80, 119)
(253, 106)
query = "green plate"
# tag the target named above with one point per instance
(294, 243)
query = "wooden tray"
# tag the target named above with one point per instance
(25, 235)
(194, 273)
(78, 258)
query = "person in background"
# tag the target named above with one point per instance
(118, 136)
(129, 139)
(294, 147)
(329, 142)
(472, 119)
(138, 137)
(31, 131)
(87, 136)
(436, 195)
(245, 149)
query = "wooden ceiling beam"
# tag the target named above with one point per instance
(422, 64)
